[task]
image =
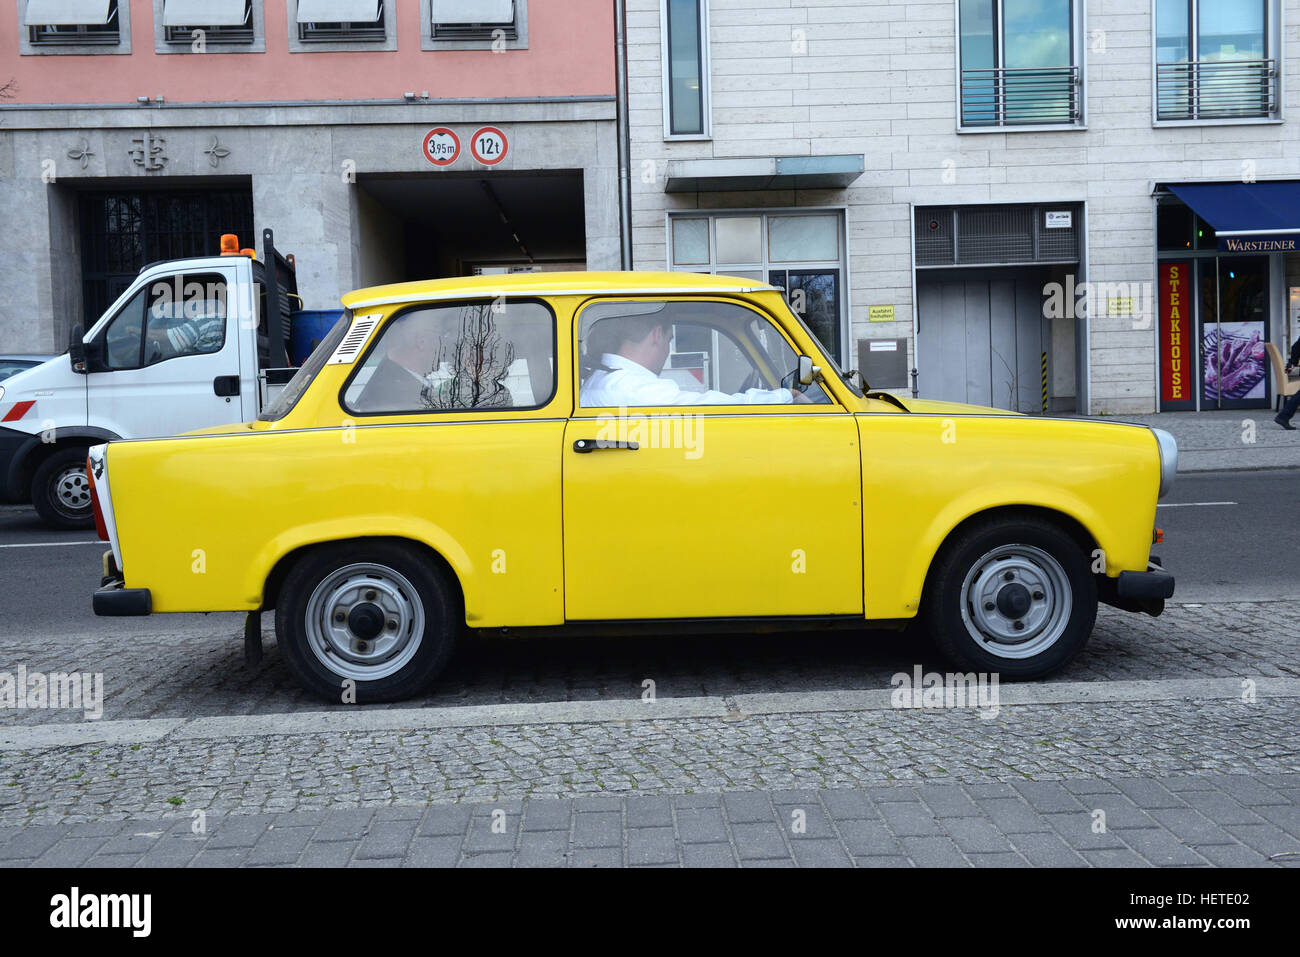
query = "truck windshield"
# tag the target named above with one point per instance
(296, 386)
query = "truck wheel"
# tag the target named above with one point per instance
(1011, 596)
(61, 490)
(366, 622)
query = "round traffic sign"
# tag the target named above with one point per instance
(489, 145)
(441, 146)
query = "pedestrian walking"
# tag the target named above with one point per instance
(1289, 407)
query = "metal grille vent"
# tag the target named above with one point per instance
(351, 345)
(995, 234)
(934, 236)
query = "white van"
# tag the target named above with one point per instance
(190, 344)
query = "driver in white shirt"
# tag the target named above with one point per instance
(629, 374)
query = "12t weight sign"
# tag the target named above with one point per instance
(441, 146)
(489, 145)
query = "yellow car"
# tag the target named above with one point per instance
(605, 451)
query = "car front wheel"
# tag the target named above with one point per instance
(366, 622)
(1012, 596)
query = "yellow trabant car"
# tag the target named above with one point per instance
(613, 451)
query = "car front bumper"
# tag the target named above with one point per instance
(117, 601)
(1138, 591)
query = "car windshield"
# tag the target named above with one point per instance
(294, 389)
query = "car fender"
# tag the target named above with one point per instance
(406, 527)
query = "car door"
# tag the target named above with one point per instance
(168, 361)
(729, 498)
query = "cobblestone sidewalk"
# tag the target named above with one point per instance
(1226, 820)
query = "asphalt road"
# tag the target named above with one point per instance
(1226, 538)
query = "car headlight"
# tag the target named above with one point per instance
(1168, 446)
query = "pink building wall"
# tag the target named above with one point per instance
(570, 53)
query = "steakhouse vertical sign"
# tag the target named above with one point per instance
(1176, 352)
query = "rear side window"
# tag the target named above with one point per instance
(494, 354)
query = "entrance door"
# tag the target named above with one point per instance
(1232, 292)
(982, 341)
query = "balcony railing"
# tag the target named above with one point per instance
(1220, 89)
(1004, 97)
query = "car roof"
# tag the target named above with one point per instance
(551, 283)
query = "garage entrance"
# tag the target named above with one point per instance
(434, 225)
(983, 274)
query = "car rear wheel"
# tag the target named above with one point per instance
(366, 622)
(1012, 596)
(61, 490)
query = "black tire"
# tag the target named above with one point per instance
(984, 639)
(61, 490)
(400, 580)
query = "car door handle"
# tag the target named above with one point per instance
(600, 445)
(226, 385)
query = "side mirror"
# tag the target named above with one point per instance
(807, 371)
(77, 349)
(856, 381)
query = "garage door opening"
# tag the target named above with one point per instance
(435, 225)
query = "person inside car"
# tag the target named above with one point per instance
(632, 352)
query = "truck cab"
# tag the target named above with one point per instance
(190, 344)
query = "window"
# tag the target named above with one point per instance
(473, 19)
(461, 357)
(1214, 60)
(168, 319)
(223, 21)
(801, 253)
(1020, 63)
(72, 22)
(685, 25)
(333, 20)
(701, 352)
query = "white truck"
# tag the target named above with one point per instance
(190, 344)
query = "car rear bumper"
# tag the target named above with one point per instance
(116, 601)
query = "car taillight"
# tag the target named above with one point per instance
(100, 528)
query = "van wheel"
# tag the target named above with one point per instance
(365, 622)
(1011, 596)
(61, 490)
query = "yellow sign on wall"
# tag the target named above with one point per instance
(880, 313)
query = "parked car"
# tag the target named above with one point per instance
(438, 465)
(14, 363)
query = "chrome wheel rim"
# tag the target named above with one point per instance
(365, 622)
(1016, 601)
(72, 489)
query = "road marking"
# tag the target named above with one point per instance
(51, 544)
(354, 719)
(1191, 504)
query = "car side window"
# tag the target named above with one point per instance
(177, 316)
(497, 354)
(683, 352)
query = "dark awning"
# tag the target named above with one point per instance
(1247, 217)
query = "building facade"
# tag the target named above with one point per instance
(381, 140)
(1046, 206)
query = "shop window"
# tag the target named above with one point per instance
(1020, 63)
(690, 242)
(221, 21)
(1216, 60)
(685, 26)
(72, 22)
(341, 20)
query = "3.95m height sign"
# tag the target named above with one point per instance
(488, 146)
